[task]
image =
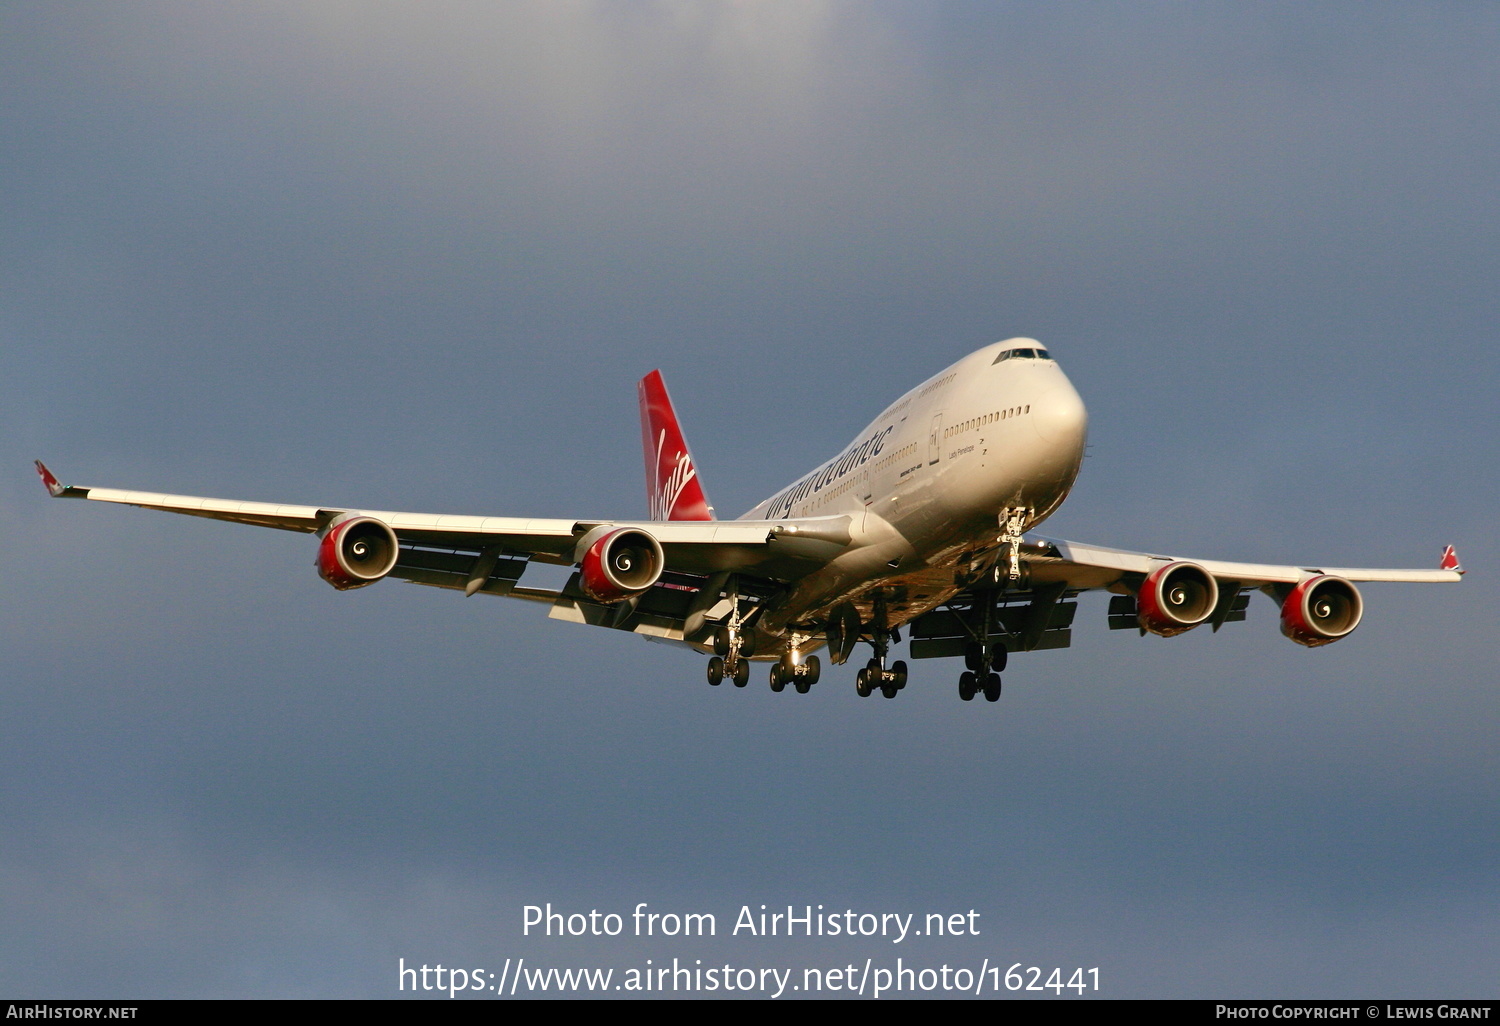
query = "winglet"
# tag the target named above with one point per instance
(55, 488)
(50, 480)
(672, 485)
(1450, 561)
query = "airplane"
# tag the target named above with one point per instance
(920, 523)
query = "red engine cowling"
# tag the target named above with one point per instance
(621, 564)
(357, 552)
(1176, 598)
(1321, 610)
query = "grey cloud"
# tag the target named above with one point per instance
(416, 257)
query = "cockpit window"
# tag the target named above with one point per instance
(1022, 354)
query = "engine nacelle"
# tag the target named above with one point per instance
(620, 565)
(1176, 598)
(1321, 610)
(357, 552)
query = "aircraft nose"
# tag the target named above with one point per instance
(1060, 418)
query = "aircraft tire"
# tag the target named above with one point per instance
(992, 688)
(999, 656)
(813, 669)
(966, 686)
(898, 669)
(974, 656)
(862, 684)
(777, 681)
(715, 671)
(742, 673)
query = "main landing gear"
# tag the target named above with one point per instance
(801, 676)
(983, 674)
(733, 646)
(733, 649)
(735, 664)
(738, 671)
(875, 673)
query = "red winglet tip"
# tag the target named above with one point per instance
(54, 488)
(1450, 561)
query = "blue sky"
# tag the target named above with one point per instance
(416, 257)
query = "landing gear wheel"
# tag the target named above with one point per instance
(722, 642)
(862, 684)
(777, 680)
(992, 688)
(974, 656)
(999, 656)
(742, 673)
(898, 670)
(967, 686)
(889, 690)
(803, 686)
(715, 671)
(813, 669)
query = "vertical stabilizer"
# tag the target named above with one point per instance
(673, 490)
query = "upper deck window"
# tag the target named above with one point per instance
(1022, 354)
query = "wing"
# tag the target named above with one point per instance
(1094, 566)
(1159, 593)
(475, 554)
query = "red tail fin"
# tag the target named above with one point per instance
(672, 486)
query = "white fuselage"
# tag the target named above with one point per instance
(925, 482)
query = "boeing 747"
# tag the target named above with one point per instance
(919, 524)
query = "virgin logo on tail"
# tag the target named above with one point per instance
(665, 491)
(673, 491)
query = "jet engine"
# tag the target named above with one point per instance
(620, 565)
(1321, 610)
(1176, 598)
(357, 552)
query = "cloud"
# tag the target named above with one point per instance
(414, 256)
